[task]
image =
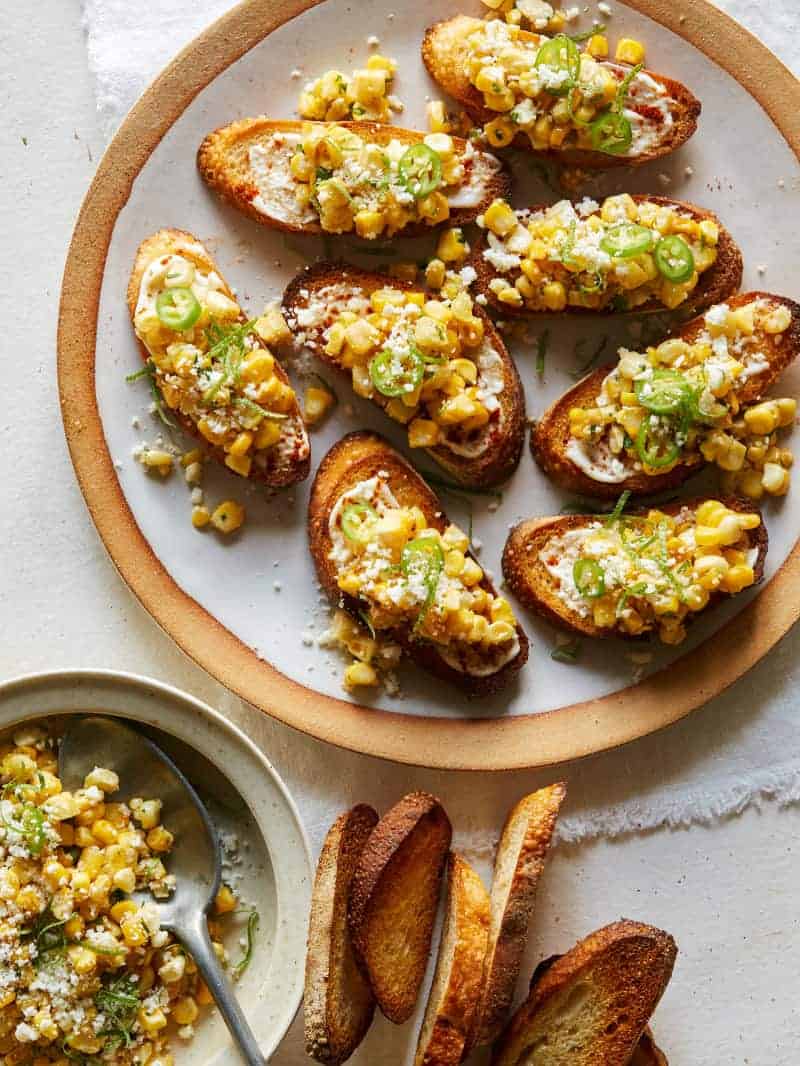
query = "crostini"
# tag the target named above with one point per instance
(630, 575)
(628, 253)
(212, 367)
(384, 549)
(592, 1004)
(541, 94)
(349, 177)
(436, 365)
(649, 422)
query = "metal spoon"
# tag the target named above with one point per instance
(144, 770)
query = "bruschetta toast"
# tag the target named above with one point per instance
(456, 987)
(215, 373)
(338, 1003)
(629, 575)
(394, 899)
(648, 1053)
(438, 366)
(383, 548)
(628, 253)
(540, 94)
(648, 423)
(591, 1005)
(518, 868)
(349, 177)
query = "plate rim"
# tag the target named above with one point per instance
(524, 741)
(67, 684)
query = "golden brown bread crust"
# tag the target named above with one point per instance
(357, 457)
(592, 1004)
(338, 1002)
(394, 897)
(716, 284)
(533, 586)
(519, 864)
(502, 458)
(445, 55)
(456, 984)
(222, 160)
(648, 1053)
(170, 241)
(551, 435)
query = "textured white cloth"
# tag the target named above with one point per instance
(740, 749)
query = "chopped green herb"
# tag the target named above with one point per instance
(453, 487)
(541, 351)
(148, 371)
(118, 1000)
(252, 927)
(566, 653)
(578, 38)
(590, 362)
(619, 507)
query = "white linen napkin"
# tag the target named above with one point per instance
(741, 748)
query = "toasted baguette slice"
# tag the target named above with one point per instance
(518, 867)
(721, 280)
(648, 1053)
(551, 436)
(497, 447)
(591, 1005)
(534, 586)
(394, 898)
(455, 991)
(338, 1002)
(356, 458)
(286, 462)
(224, 160)
(446, 55)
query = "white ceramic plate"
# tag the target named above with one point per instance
(272, 867)
(232, 604)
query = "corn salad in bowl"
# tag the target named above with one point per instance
(87, 974)
(651, 573)
(680, 402)
(618, 255)
(407, 574)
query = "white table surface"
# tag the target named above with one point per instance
(726, 891)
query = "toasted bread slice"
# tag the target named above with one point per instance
(359, 457)
(491, 454)
(394, 898)
(551, 436)
(225, 162)
(721, 280)
(287, 461)
(591, 1005)
(535, 587)
(338, 1002)
(455, 992)
(648, 1053)
(518, 867)
(446, 55)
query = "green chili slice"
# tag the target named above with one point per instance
(627, 239)
(394, 374)
(354, 517)
(423, 558)
(611, 133)
(589, 578)
(665, 393)
(652, 451)
(674, 258)
(420, 170)
(178, 308)
(560, 54)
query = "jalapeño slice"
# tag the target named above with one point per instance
(178, 308)
(674, 259)
(665, 393)
(354, 517)
(653, 451)
(420, 170)
(627, 239)
(395, 373)
(560, 54)
(611, 133)
(589, 578)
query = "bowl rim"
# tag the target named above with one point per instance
(115, 693)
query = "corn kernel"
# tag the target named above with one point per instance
(185, 1010)
(597, 46)
(629, 51)
(228, 517)
(159, 839)
(360, 674)
(500, 218)
(225, 901)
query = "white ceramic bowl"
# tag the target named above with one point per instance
(246, 798)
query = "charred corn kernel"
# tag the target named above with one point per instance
(126, 908)
(228, 517)
(452, 246)
(422, 433)
(597, 46)
(152, 1021)
(369, 223)
(316, 404)
(225, 901)
(737, 578)
(500, 132)
(555, 296)
(106, 780)
(359, 675)
(500, 218)
(629, 51)
(184, 1010)
(775, 479)
(240, 464)
(159, 839)
(133, 932)
(83, 961)
(201, 516)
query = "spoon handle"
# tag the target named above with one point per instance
(196, 940)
